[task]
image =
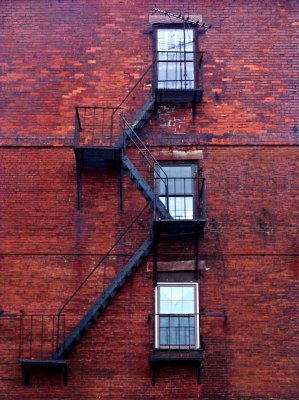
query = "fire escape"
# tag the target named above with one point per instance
(47, 340)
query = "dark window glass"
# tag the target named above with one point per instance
(180, 186)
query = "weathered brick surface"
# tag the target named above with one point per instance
(58, 54)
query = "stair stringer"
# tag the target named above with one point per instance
(100, 305)
(139, 121)
(146, 191)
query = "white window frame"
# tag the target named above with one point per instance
(195, 285)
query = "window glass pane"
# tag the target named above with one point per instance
(169, 74)
(176, 299)
(188, 293)
(179, 171)
(181, 184)
(165, 293)
(177, 179)
(177, 331)
(173, 40)
(165, 307)
(175, 60)
(187, 307)
(179, 207)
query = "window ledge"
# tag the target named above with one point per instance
(177, 355)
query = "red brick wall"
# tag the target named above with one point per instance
(59, 54)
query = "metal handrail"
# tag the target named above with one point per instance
(79, 127)
(203, 199)
(177, 336)
(198, 80)
(135, 141)
(37, 338)
(129, 93)
(101, 260)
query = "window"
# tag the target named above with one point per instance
(176, 320)
(175, 58)
(177, 191)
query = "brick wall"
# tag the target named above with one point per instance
(59, 54)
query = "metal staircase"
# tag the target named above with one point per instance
(46, 340)
(128, 135)
(136, 177)
(138, 122)
(105, 153)
(102, 302)
(146, 191)
(61, 342)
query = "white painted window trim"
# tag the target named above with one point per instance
(197, 327)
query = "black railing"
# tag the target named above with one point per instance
(41, 335)
(105, 270)
(136, 97)
(184, 197)
(180, 70)
(94, 125)
(99, 126)
(145, 152)
(174, 331)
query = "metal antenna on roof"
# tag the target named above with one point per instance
(183, 18)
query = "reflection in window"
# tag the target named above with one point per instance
(180, 188)
(175, 58)
(177, 318)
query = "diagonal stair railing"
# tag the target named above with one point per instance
(52, 336)
(176, 72)
(111, 281)
(153, 165)
(98, 125)
(140, 97)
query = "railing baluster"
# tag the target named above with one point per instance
(179, 331)
(84, 121)
(63, 337)
(149, 155)
(53, 333)
(58, 331)
(166, 72)
(103, 125)
(30, 338)
(203, 199)
(93, 123)
(175, 198)
(104, 274)
(184, 194)
(21, 338)
(42, 337)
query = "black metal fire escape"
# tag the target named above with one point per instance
(96, 147)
